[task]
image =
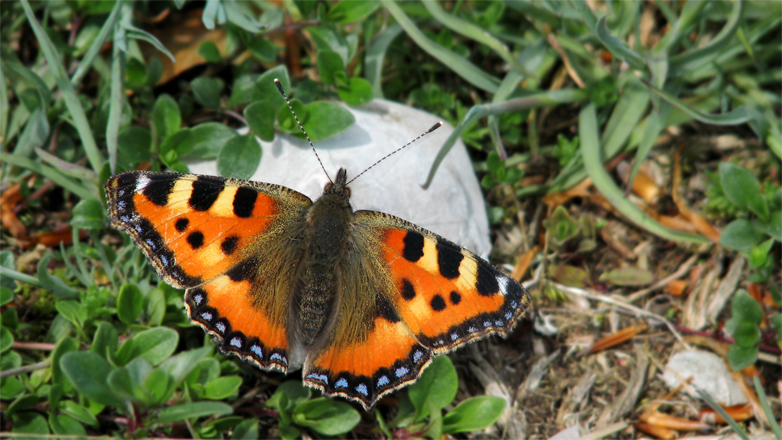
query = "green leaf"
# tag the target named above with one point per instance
(88, 373)
(134, 144)
(30, 423)
(206, 92)
(73, 311)
(250, 88)
(326, 416)
(194, 410)
(352, 11)
(208, 139)
(773, 227)
(6, 295)
(166, 116)
(6, 339)
(741, 357)
(438, 384)
(66, 345)
(628, 276)
(155, 345)
(326, 120)
(474, 414)
(209, 51)
(744, 308)
(740, 235)
(375, 55)
(222, 387)
(180, 365)
(89, 214)
(746, 334)
(64, 425)
(743, 189)
(53, 284)
(155, 306)
(260, 117)
(129, 303)
(105, 340)
(329, 63)
(239, 157)
(289, 394)
(20, 404)
(759, 254)
(357, 92)
(155, 388)
(263, 49)
(79, 413)
(247, 430)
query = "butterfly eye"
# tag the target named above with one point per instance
(347, 191)
(327, 187)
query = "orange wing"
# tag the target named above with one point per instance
(406, 294)
(205, 233)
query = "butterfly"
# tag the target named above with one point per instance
(359, 300)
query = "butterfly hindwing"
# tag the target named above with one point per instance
(407, 294)
(371, 352)
(205, 234)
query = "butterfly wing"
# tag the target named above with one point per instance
(407, 293)
(206, 234)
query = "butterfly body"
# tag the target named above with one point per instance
(360, 301)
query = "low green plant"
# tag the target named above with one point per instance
(758, 223)
(743, 325)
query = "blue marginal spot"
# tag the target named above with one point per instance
(362, 388)
(341, 383)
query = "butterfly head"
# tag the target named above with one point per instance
(339, 185)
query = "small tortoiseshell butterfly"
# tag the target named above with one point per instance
(361, 301)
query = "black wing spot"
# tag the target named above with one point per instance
(487, 281)
(438, 303)
(414, 246)
(158, 188)
(243, 271)
(228, 245)
(206, 190)
(195, 239)
(455, 298)
(181, 224)
(448, 259)
(408, 291)
(244, 201)
(385, 309)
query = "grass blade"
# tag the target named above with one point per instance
(693, 59)
(772, 422)
(618, 47)
(550, 98)
(50, 173)
(739, 115)
(116, 101)
(461, 66)
(725, 416)
(373, 60)
(96, 46)
(4, 109)
(68, 168)
(593, 163)
(69, 94)
(473, 32)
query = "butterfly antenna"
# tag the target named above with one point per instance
(434, 127)
(282, 92)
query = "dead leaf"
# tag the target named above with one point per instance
(8, 201)
(615, 338)
(523, 263)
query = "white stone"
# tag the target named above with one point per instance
(709, 373)
(453, 206)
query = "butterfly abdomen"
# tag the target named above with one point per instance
(317, 277)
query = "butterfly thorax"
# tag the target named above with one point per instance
(317, 278)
